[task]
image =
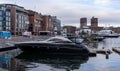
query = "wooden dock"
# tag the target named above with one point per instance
(104, 51)
(116, 49)
(94, 52)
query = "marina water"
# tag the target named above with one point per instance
(16, 60)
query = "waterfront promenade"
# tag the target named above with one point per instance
(10, 42)
(3, 69)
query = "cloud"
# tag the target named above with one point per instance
(70, 11)
(106, 2)
(102, 1)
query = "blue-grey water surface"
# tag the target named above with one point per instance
(15, 60)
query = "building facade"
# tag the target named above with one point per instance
(5, 18)
(95, 29)
(69, 30)
(94, 22)
(115, 29)
(35, 20)
(83, 22)
(48, 24)
(15, 19)
(57, 24)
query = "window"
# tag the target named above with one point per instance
(57, 40)
(16, 24)
(7, 18)
(1, 18)
(16, 29)
(0, 12)
(3, 8)
(7, 24)
(21, 26)
(17, 19)
(7, 13)
(19, 16)
(1, 23)
(26, 22)
(8, 28)
(0, 28)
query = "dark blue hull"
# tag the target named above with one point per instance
(54, 48)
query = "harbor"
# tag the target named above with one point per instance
(59, 35)
(22, 61)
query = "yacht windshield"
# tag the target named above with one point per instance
(59, 40)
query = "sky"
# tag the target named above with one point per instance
(70, 11)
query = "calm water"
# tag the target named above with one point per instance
(17, 61)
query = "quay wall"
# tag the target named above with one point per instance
(8, 44)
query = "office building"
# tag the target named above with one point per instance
(57, 24)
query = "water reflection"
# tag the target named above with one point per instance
(56, 61)
(7, 60)
(109, 43)
(14, 60)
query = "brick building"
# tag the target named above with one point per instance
(15, 18)
(35, 20)
(96, 29)
(115, 29)
(69, 30)
(94, 22)
(48, 24)
(83, 22)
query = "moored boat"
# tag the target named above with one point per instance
(107, 33)
(53, 44)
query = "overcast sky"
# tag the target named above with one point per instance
(70, 11)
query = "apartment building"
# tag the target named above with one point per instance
(5, 18)
(48, 24)
(15, 18)
(36, 22)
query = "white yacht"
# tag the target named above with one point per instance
(107, 33)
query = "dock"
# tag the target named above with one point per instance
(8, 44)
(104, 51)
(3, 69)
(116, 49)
(94, 52)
